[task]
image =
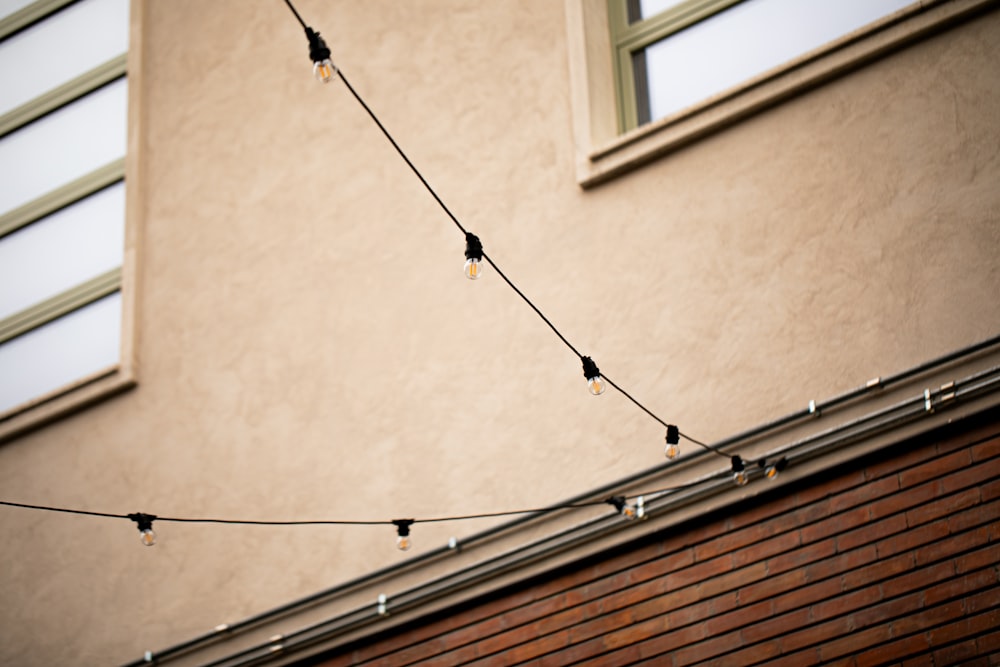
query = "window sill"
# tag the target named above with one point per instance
(602, 154)
(66, 400)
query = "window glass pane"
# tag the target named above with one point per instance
(61, 352)
(746, 40)
(653, 7)
(61, 48)
(63, 146)
(62, 250)
(8, 7)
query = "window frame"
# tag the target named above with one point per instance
(604, 151)
(121, 375)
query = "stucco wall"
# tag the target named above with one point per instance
(308, 347)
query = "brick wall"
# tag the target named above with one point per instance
(891, 561)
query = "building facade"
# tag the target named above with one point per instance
(800, 263)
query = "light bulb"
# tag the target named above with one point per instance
(473, 256)
(595, 382)
(673, 438)
(323, 70)
(473, 268)
(624, 508)
(144, 522)
(740, 477)
(772, 470)
(403, 541)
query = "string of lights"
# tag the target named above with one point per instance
(324, 70)
(634, 509)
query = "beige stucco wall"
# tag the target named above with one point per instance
(308, 347)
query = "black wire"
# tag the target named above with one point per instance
(398, 149)
(290, 6)
(502, 275)
(67, 511)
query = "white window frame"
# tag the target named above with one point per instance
(121, 375)
(604, 150)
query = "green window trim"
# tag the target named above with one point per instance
(62, 196)
(70, 91)
(30, 15)
(61, 304)
(629, 39)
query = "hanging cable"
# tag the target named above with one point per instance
(319, 54)
(144, 521)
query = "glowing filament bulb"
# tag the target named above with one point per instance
(403, 540)
(319, 54)
(473, 256)
(595, 382)
(772, 470)
(323, 70)
(673, 448)
(628, 511)
(144, 522)
(740, 477)
(473, 269)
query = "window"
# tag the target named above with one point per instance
(649, 76)
(672, 55)
(64, 106)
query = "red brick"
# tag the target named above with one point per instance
(929, 617)
(731, 581)
(853, 642)
(735, 540)
(960, 586)
(905, 499)
(988, 643)
(886, 611)
(870, 532)
(988, 599)
(974, 475)
(917, 579)
(701, 571)
(894, 650)
(810, 594)
(847, 564)
(961, 653)
(970, 626)
(839, 523)
(816, 635)
(716, 645)
(801, 556)
(761, 550)
(846, 603)
(936, 551)
(898, 460)
(913, 538)
(990, 491)
(943, 507)
(975, 517)
(759, 629)
(771, 587)
(765, 652)
(936, 467)
(980, 558)
(986, 450)
(865, 494)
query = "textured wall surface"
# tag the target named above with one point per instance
(891, 562)
(308, 348)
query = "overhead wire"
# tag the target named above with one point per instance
(311, 35)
